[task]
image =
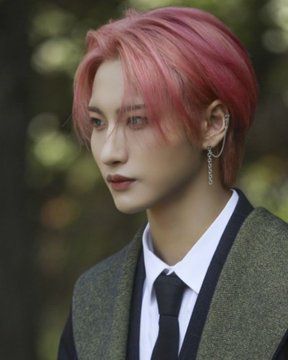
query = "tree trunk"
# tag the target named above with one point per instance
(17, 278)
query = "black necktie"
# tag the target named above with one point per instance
(169, 291)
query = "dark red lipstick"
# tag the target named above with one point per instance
(117, 178)
(119, 182)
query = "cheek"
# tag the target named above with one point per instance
(95, 150)
(173, 163)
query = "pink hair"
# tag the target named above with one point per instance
(180, 60)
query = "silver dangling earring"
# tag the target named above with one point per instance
(210, 153)
(210, 168)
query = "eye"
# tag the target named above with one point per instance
(137, 122)
(97, 123)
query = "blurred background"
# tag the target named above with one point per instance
(57, 217)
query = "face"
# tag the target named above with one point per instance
(157, 171)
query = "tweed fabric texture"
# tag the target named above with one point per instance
(101, 302)
(248, 314)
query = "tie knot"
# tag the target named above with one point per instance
(169, 291)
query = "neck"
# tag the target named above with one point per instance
(179, 222)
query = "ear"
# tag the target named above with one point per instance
(213, 127)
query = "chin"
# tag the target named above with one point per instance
(129, 207)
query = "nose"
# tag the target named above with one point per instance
(114, 150)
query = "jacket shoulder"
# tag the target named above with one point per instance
(104, 266)
(101, 297)
(267, 223)
(107, 271)
(102, 273)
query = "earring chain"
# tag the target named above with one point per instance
(210, 152)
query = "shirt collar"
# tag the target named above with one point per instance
(193, 267)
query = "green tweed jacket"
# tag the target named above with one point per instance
(248, 314)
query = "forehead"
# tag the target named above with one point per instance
(109, 72)
(108, 87)
(108, 84)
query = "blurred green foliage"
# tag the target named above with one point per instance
(78, 224)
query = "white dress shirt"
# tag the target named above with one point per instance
(191, 270)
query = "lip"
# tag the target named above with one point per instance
(119, 182)
(118, 178)
(121, 185)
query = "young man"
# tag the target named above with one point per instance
(163, 98)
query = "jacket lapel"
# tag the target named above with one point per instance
(248, 314)
(121, 310)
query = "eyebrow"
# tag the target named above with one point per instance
(124, 109)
